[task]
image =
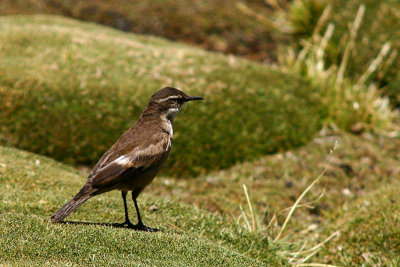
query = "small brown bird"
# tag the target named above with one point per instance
(136, 158)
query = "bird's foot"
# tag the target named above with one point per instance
(137, 227)
(126, 223)
(142, 227)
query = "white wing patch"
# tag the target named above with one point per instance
(139, 153)
(123, 160)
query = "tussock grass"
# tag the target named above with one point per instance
(69, 90)
(379, 27)
(356, 100)
(33, 187)
(377, 30)
(353, 105)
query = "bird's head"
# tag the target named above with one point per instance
(169, 101)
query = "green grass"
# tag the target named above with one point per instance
(69, 90)
(33, 187)
(36, 242)
(216, 25)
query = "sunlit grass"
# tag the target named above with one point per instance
(33, 187)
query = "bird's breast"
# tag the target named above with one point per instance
(167, 127)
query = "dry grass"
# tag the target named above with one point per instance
(295, 257)
(359, 166)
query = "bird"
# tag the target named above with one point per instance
(136, 157)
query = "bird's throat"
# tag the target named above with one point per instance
(171, 113)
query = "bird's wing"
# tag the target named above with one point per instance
(127, 141)
(100, 164)
(132, 162)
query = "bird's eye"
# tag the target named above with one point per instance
(177, 100)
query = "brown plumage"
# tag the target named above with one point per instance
(136, 158)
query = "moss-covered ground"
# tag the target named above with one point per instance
(73, 88)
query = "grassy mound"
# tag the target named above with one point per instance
(217, 25)
(69, 90)
(33, 187)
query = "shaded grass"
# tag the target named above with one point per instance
(33, 187)
(216, 25)
(70, 89)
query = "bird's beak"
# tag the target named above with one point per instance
(191, 98)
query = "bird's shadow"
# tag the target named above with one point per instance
(113, 225)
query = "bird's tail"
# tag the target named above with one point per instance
(84, 194)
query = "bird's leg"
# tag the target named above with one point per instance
(140, 226)
(127, 221)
